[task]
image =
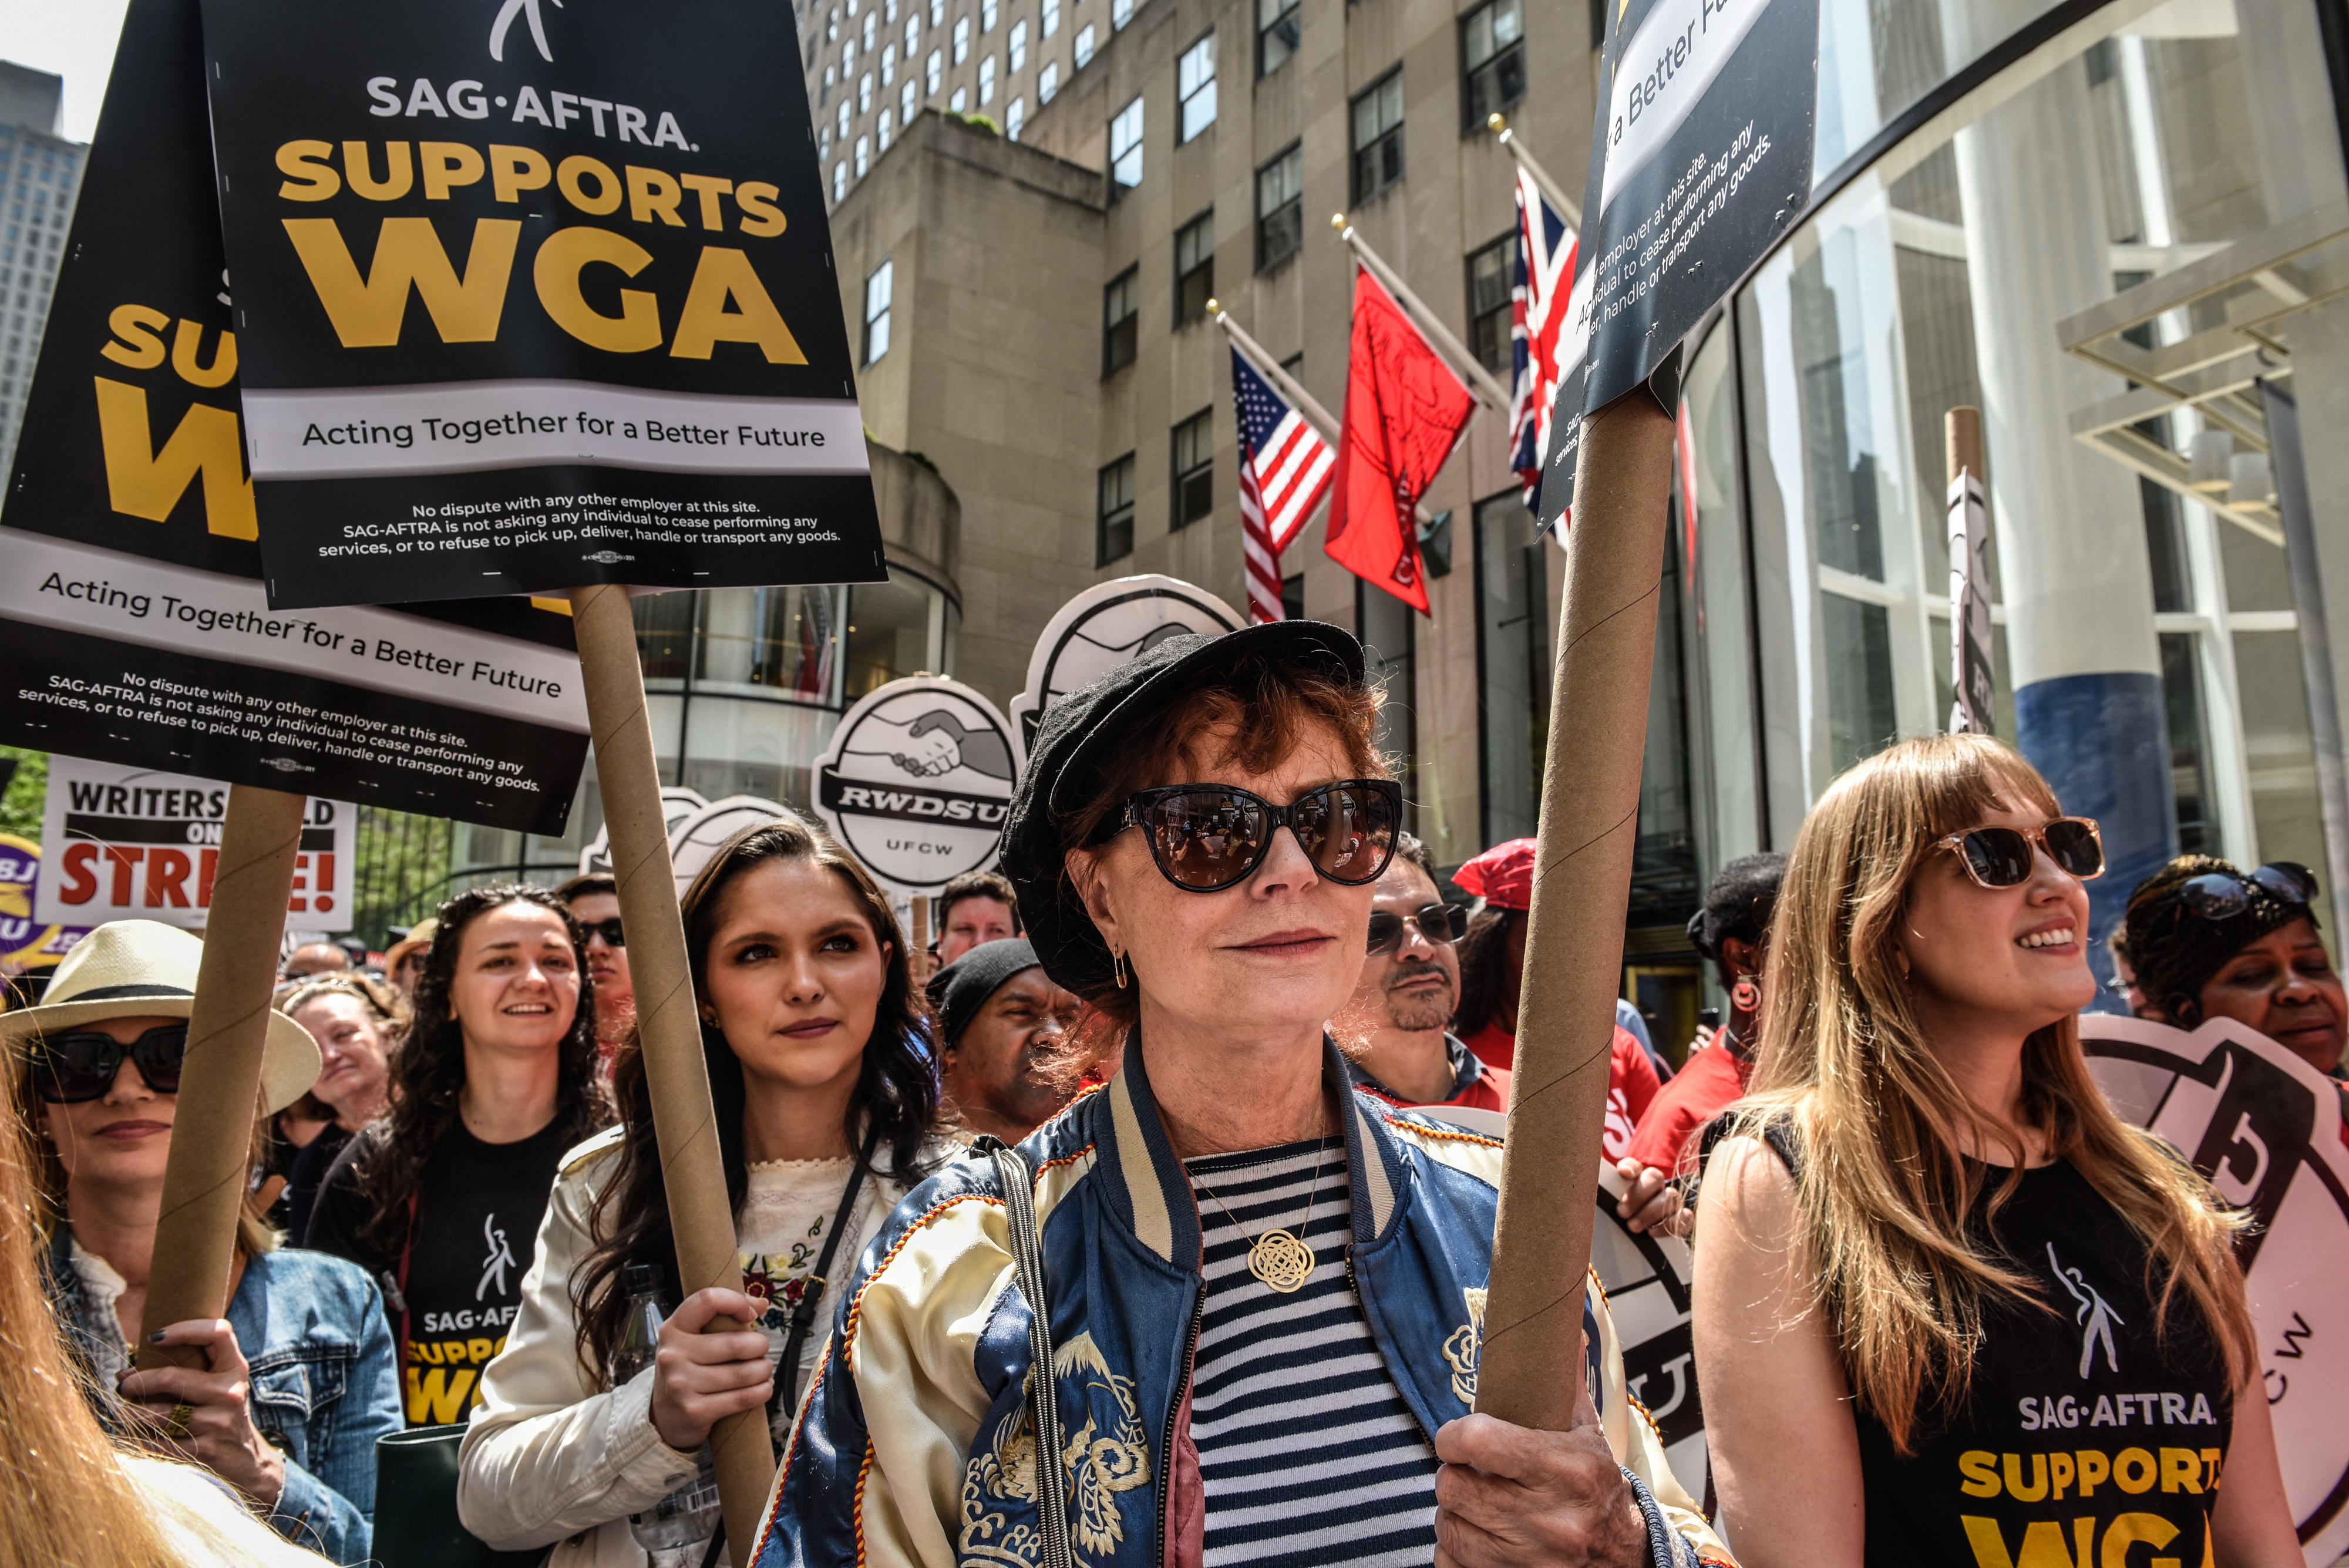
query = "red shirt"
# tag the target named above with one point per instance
(1713, 1080)
(1631, 1082)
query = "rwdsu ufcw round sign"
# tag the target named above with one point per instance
(916, 781)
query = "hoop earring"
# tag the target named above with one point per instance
(1118, 968)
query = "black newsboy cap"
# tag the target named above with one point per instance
(1082, 732)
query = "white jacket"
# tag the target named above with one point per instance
(554, 1458)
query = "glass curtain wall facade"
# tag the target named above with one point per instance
(2103, 245)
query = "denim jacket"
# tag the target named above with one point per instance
(912, 1448)
(313, 1331)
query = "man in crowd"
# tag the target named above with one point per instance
(594, 900)
(977, 906)
(404, 964)
(314, 957)
(1394, 1030)
(1006, 1029)
(1729, 931)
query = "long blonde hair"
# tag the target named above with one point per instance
(1883, 1192)
(64, 1500)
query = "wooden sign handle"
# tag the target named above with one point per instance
(668, 1025)
(1530, 1366)
(210, 1161)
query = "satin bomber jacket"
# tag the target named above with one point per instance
(913, 1446)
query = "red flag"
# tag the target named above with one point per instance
(1405, 411)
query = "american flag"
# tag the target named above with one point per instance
(1285, 469)
(1544, 278)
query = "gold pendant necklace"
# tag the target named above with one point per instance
(1279, 1258)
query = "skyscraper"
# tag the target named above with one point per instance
(40, 173)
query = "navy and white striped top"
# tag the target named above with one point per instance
(1309, 1453)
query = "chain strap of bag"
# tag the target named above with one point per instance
(1043, 1396)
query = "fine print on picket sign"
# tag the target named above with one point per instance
(1727, 696)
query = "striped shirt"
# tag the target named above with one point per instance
(1309, 1453)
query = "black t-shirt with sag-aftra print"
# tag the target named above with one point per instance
(2091, 1437)
(476, 1227)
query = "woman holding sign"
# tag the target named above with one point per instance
(298, 1380)
(826, 1116)
(1948, 1309)
(1241, 1302)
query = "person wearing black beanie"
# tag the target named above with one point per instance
(2206, 940)
(1004, 1027)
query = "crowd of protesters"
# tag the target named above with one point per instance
(1255, 1050)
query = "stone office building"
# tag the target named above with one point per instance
(2117, 228)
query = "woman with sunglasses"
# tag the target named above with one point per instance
(1235, 1304)
(826, 1114)
(2209, 941)
(594, 900)
(439, 1201)
(296, 1384)
(1948, 1308)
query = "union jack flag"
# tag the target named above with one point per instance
(1542, 281)
(1285, 469)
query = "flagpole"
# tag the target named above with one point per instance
(1298, 398)
(1479, 379)
(1570, 209)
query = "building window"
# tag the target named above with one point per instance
(1016, 52)
(1052, 17)
(1513, 667)
(960, 101)
(845, 109)
(877, 289)
(1292, 597)
(1278, 27)
(987, 14)
(987, 82)
(864, 93)
(863, 155)
(847, 58)
(1114, 524)
(913, 32)
(1377, 137)
(1194, 84)
(937, 13)
(1386, 627)
(935, 71)
(1280, 207)
(961, 39)
(1121, 12)
(1084, 46)
(906, 102)
(1121, 319)
(1492, 60)
(889, 67)
(883, 129)
(1048, 81)
(1015, 118)
(1193, 448)
(1195, 267)
(840, 181)
(1491, 274)
(1125, 147)
(871, 21)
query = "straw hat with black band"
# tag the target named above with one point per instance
(144, 968)
(418, 939)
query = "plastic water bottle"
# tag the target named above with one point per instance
(673, 1530)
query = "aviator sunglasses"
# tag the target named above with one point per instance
(70, 1069)
(2001, 857)
(1439, 923)
(1207, 837)
(2224, 895)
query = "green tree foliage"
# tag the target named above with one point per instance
(27, 792)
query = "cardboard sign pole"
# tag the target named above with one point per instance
(1530, 1368)
(220, 1096)
(668, 1024)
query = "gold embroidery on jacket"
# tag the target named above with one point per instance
(1100, 1464)
(1462, 1349)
